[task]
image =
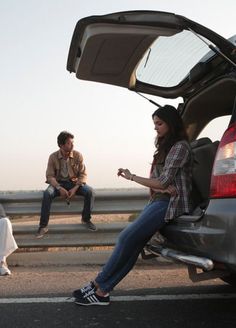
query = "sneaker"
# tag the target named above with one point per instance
(4, 271)
(41, 232)
(91, 298)
(80, 292)
(89, 225)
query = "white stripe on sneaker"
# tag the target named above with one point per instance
(94, 299)
(90, 299)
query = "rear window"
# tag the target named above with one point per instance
(168, 61)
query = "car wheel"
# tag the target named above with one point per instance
(231, 279)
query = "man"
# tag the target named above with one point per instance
(66, 176)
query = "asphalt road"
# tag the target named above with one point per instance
(147, 297)
(201, 306)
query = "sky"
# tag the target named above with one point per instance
(39, 97)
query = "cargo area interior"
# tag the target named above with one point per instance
(198, 112)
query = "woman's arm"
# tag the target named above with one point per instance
(154, 184)
(147, 182)
(175, 160)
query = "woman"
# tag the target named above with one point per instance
(169, 183)
(7, 242)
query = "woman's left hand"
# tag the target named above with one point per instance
(124, 173)
(171, 190)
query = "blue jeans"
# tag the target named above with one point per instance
(50, 193)
(130, 243)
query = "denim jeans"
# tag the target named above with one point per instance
(50, 193)
(130, 243)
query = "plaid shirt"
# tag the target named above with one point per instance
(177, 171)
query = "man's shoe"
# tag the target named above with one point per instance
(41, 232)
(82, 291)
(89, 225)
(91, 298)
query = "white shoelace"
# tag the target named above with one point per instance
(90, 292)
(86, 288)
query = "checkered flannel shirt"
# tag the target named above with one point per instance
(177, 171)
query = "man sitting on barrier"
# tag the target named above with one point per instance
(66, 176)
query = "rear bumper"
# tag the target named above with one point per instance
(212, 236)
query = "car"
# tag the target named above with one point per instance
(167, 55)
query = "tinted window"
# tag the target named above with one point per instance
(168, 61)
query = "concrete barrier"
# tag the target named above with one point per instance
(106, 202)
(18, 204)
(68, 235)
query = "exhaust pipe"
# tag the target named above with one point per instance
(200, 262)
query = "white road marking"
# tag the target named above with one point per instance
(131, 298)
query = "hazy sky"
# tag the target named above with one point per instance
(39, 98)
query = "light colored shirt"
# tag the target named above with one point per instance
(64, 170)
(75, 167)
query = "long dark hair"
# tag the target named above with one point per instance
(176, 132)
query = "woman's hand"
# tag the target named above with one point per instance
(169, 190)
(124, 173)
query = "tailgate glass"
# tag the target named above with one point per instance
(168, 61)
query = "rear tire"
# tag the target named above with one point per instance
(231, 279)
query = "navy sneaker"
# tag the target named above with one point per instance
(41, 232)
(80, 292)
(91, 298)
(89, 225)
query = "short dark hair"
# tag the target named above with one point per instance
(63, 136)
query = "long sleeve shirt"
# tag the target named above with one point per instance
(177, 171)
(75, 165)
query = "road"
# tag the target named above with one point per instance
(205, 306)
(148, 297)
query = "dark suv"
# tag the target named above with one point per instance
(170, 56)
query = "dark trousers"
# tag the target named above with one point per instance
(50, 193)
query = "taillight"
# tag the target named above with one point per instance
(223, 180)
